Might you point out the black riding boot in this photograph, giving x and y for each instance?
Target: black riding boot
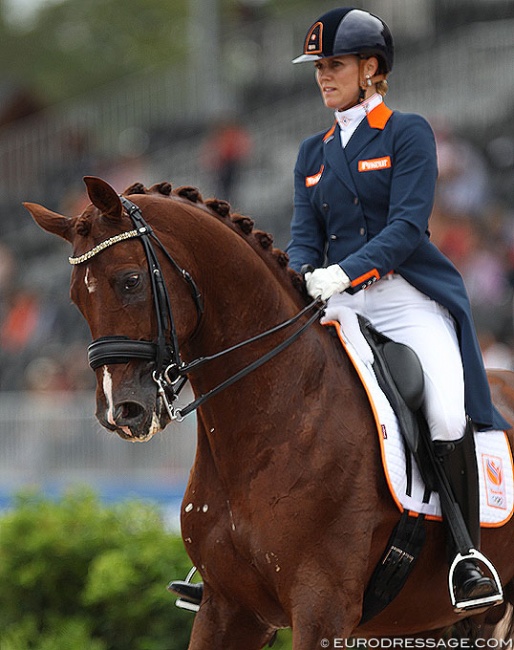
(192, 592)
(458, 461)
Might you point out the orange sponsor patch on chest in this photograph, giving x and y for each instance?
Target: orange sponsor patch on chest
(314, 180)
(374, 164)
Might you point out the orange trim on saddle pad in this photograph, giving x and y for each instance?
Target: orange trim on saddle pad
(494, 456)
(381, 433)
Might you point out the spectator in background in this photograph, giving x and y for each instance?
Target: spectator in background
(475, 234)
(35, 326)
(7, 269)
(463, 185)
(250, 11)
(224, 153)
(21, 322)
(20, 102)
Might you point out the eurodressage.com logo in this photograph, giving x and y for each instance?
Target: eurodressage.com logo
(410, 642)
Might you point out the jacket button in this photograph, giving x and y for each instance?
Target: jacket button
(325, 206)
(362, 232)
(333, 237)
(356, 200)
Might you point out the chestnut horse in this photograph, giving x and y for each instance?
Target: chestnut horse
(287, 511)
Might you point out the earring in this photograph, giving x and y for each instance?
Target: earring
(368, 81)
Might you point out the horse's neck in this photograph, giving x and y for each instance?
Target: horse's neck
(243, 297)
(245, 294)
(295, 417)
(276, 401)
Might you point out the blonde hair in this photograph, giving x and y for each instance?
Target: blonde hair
(382, 87)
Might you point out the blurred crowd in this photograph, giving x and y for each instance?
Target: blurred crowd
(43, 338)
(476, 231)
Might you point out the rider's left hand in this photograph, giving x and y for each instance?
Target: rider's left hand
(324, 283)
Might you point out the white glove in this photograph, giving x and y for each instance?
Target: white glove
(325, 282)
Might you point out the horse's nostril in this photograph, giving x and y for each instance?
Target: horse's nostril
(128, 412)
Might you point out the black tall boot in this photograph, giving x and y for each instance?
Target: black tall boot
(192, 592)
(458, 461)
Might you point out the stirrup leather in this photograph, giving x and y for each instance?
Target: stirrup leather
(486, 601)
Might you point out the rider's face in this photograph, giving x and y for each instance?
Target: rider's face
(338, 81)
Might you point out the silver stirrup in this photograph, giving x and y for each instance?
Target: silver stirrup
(487, 601)
(185, 604)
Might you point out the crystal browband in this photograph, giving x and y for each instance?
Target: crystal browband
(105, 244)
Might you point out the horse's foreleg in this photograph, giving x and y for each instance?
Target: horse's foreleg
(318, 634)
(326, 619)
(220, 625)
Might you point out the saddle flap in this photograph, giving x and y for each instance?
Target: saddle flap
(405, 368)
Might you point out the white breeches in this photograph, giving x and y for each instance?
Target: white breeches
(404, 314)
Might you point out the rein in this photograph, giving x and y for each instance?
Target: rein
(170, 372)
(181, 413)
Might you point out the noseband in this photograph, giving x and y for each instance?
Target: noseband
(170, 373)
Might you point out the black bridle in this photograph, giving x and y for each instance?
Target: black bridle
(170, 372)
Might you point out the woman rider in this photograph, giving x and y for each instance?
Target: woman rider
(364, 193)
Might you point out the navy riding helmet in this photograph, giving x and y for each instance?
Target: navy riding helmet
(349, 31)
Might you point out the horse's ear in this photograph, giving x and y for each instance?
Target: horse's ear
(52, 222)
(104, 197)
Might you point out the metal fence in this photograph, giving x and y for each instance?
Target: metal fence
(52, 441)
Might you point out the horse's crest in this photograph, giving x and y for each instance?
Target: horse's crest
(222, 209)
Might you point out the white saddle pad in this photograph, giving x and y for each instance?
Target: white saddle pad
(493, 451)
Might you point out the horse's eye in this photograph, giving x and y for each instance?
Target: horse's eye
(132, 282)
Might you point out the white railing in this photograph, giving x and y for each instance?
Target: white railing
(54, 439)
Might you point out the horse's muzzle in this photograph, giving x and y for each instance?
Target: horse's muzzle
(135, 414)
(131, 421)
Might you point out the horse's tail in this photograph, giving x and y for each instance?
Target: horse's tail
(497, 624)
(504, 629)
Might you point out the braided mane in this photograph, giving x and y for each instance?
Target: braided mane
(261, 241)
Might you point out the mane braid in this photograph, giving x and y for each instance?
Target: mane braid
(259, 240)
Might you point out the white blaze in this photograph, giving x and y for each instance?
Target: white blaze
(90, 281)
(107, 389)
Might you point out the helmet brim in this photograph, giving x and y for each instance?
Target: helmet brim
(305, 58)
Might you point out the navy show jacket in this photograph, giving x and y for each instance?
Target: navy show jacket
(366, 207)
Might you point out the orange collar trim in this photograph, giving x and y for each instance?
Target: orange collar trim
(379, 116)
(330, 133)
